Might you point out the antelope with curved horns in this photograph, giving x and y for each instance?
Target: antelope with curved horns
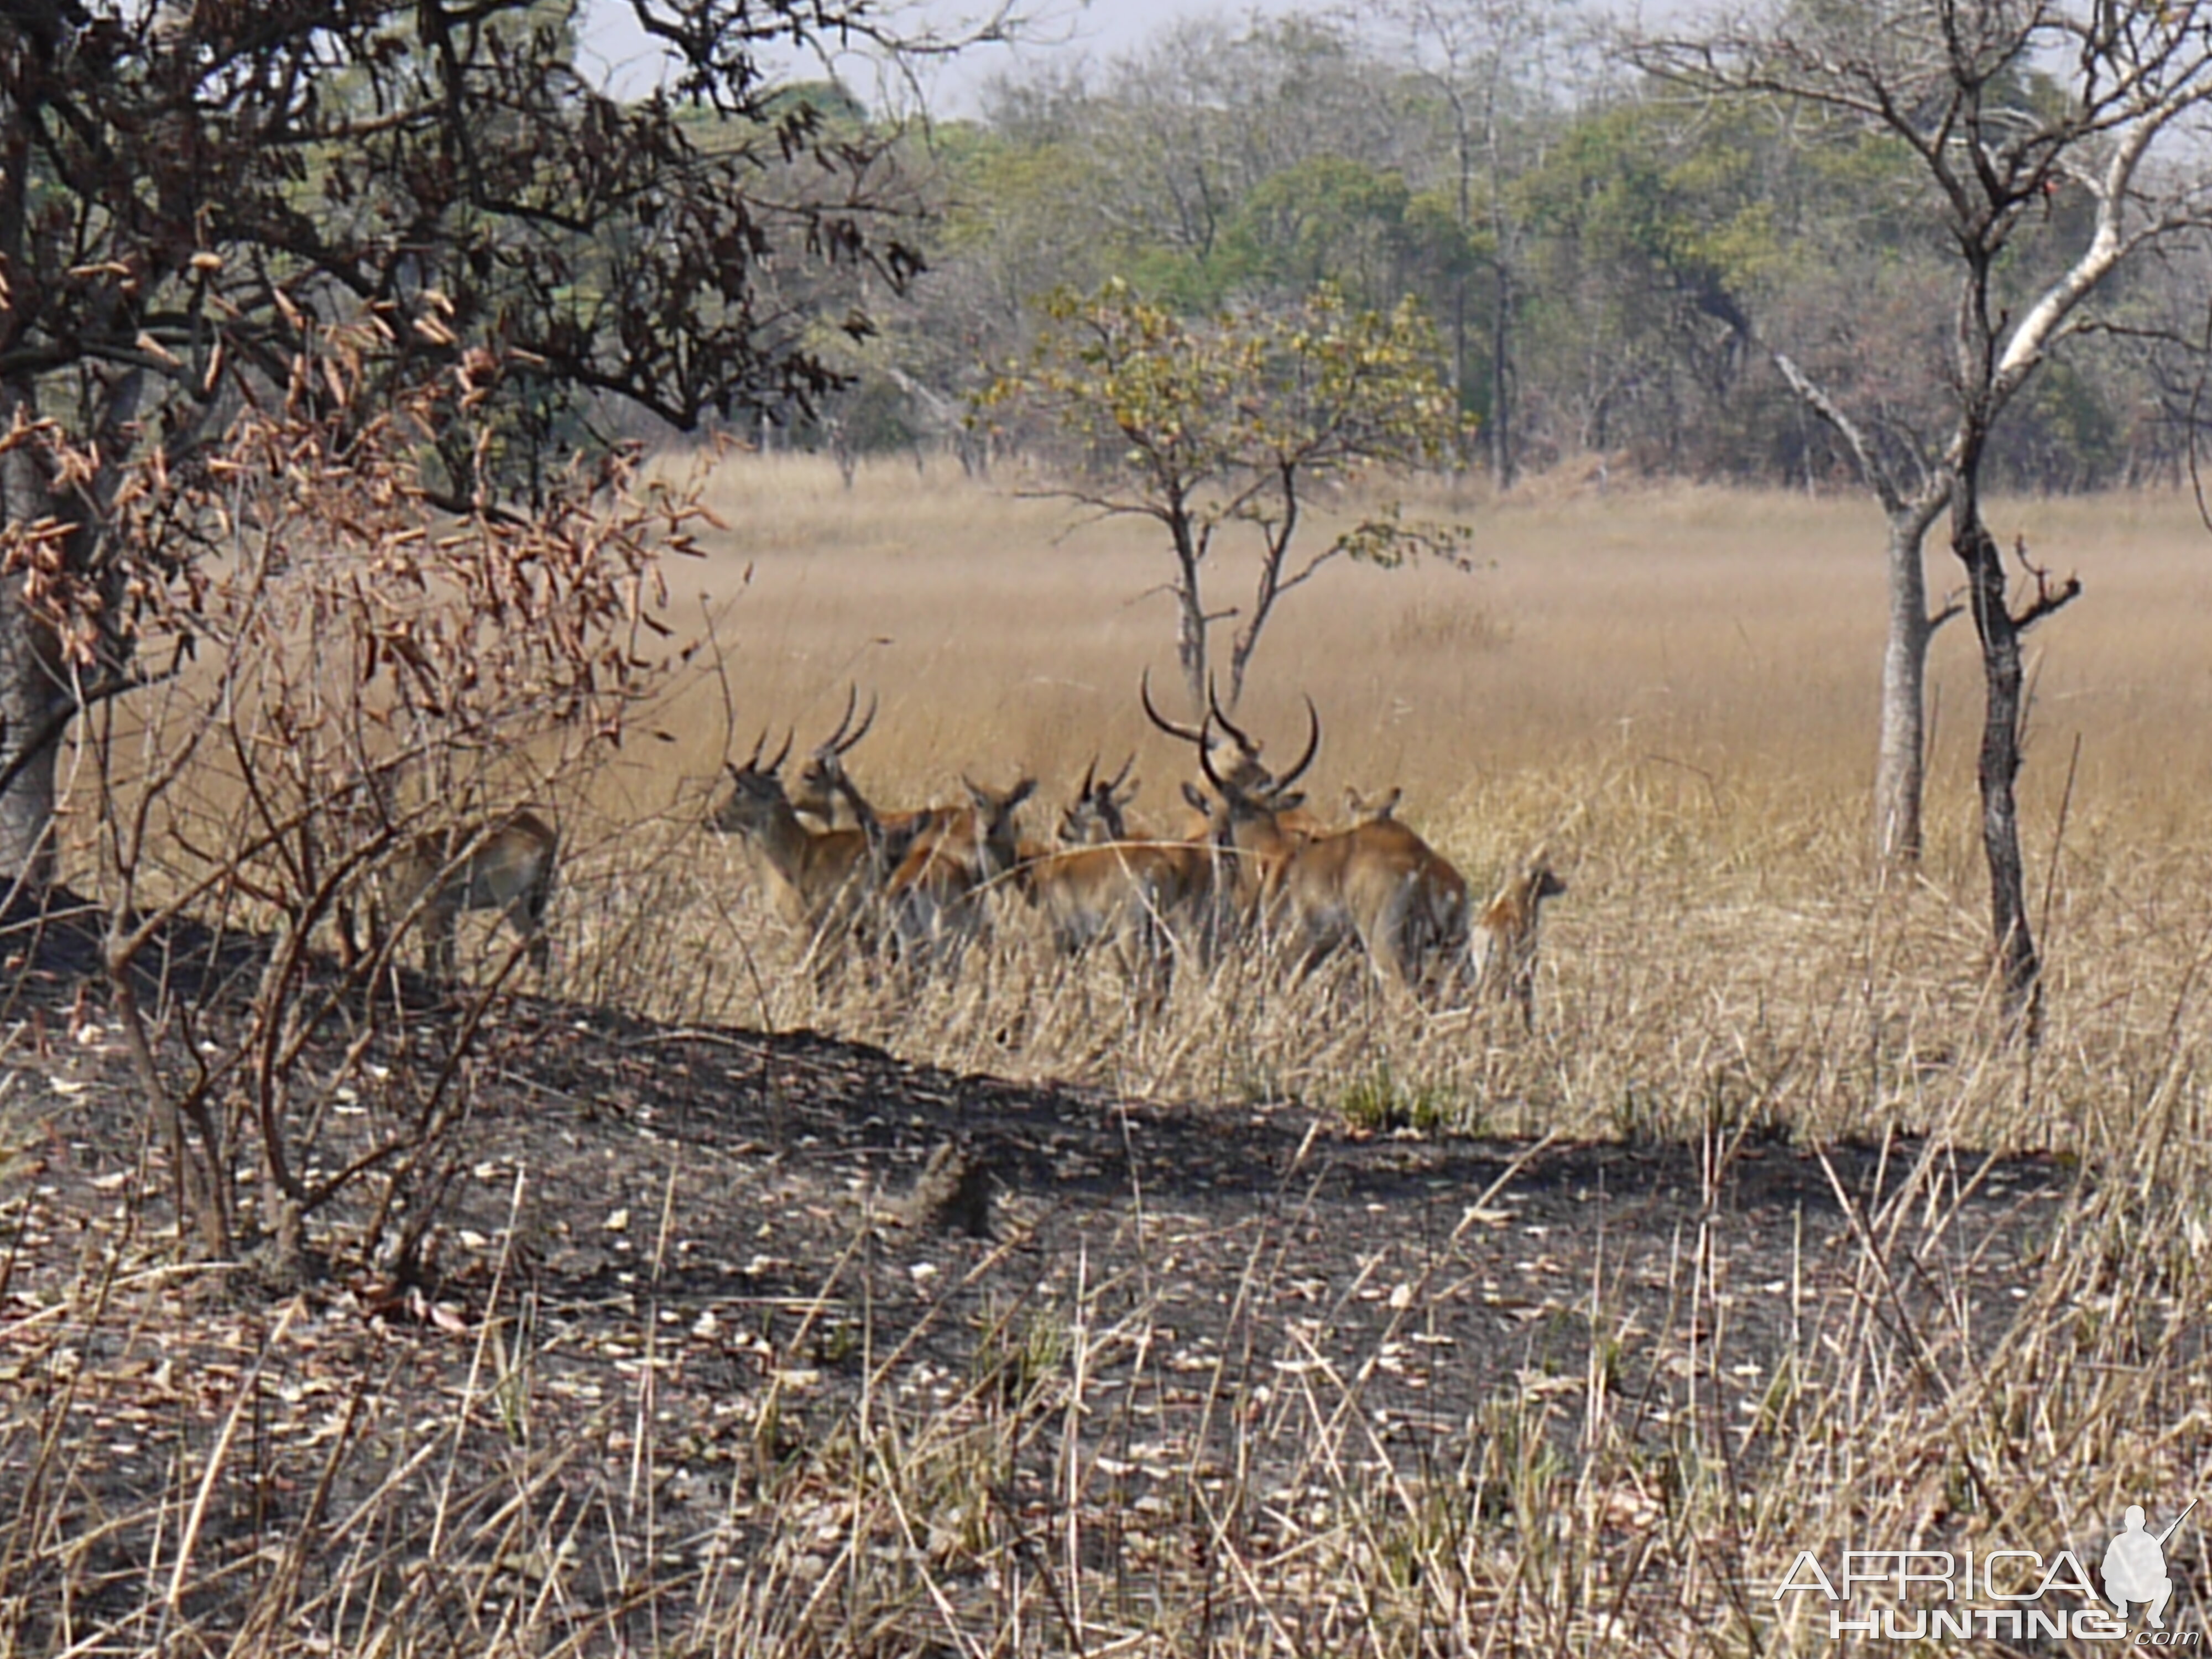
(1249, 771)
(1235, 851)
(1249, 827)
(823, 782)
(818, 879)
(1097, 814)
(813, 794)
(506, 863)
(1376, 882)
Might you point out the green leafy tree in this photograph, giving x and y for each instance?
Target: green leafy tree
(1207, 427)
(1654, 240)
(1486, 63)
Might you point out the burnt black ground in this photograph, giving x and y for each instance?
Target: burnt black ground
(722, 1210)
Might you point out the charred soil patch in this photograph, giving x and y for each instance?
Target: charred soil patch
(685, 1332)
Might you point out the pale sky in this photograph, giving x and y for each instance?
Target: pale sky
(1099, 29)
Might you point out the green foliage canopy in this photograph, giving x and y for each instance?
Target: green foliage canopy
(1233, 420)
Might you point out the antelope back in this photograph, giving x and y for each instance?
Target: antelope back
(506, 864)
(477, 867)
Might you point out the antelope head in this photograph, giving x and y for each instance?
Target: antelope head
(1363, 808)
(1246, 771)
(823, 777)
(1096, 814)
(1268, 798)
(995, 838)
(757, 791)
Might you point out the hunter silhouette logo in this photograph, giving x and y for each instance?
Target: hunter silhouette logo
(2134, 1566)
(1999, 1592)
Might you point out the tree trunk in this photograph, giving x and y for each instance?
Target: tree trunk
(1900, 763)
(1501, 314)
(2019, 966)
(1459, 352)
(1501, 424)
(1190, 638)
(1190, 649)
(34, 695)
(27, 711)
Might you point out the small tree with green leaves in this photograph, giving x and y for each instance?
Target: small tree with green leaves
(1235, 420)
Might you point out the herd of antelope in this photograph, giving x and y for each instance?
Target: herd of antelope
(1250, 863)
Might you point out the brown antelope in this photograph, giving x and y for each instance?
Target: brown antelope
(1254, 821)
(505, 864)
(823, 785)
(937, 891)
(1247, 771)
(1358, 809)
(1102, 885)
(1502, 953)
(1376, 883)
(1097, 814)
(1380, 884)
(819, 879)
(815, 796)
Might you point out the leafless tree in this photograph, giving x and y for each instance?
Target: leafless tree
(352, 671)
(2017, 113)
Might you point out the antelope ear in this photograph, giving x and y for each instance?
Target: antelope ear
(1129, 793)
(1288, 803)
(1191, 794)
(1023, 791)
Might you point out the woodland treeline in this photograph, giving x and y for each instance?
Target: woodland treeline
(1610, 260)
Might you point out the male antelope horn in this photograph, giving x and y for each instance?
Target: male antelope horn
(782, 755)
(1188, 733)
(1124, 774)
(1213, 699)
(1313, 748)
(866, 721)
(1089, 772)
(852, 697)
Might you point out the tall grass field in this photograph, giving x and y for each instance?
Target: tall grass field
(1567, 1338)
(1671, 690)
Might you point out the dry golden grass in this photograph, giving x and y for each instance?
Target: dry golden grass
(1672, 689)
